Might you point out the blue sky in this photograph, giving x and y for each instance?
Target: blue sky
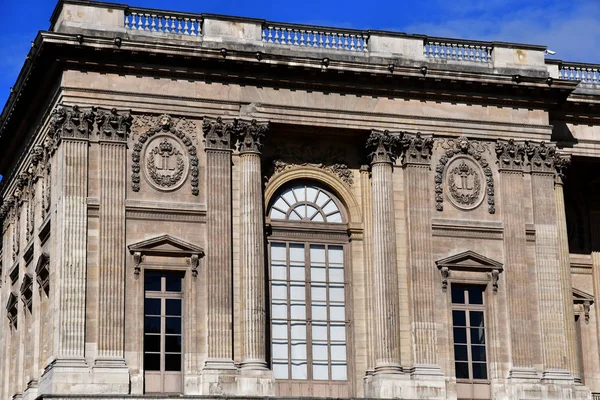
(569, 27)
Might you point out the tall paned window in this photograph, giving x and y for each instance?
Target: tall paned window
(163, 341)
(308, 291)
(469, 332)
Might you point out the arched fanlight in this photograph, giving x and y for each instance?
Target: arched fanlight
(305, 203)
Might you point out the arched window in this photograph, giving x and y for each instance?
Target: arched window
(309, 287)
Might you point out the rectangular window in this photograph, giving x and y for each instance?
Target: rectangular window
(163, 323)
(469, 332)
(308, 312)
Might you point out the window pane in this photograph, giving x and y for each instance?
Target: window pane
(475, 295)
(459, 318)
(319, 331)
(318, 217)
(280, 350)
(279, 330)
(320, 371)
(279, 291)
(173, 282)
(297, 254)
(477, 336)
(336, 293)
(319, 312)
(152, 306)
(317, 274)
(289, 197)
(311, 212)
(298, 310)
(335, 217)
(338, 352)
(173, 344)
(338, 332)
(297, 273)
(173, 325)
(298, 350)
(336, 255)
(460, 352)
(299, 331)
(337, 312)
(460, 335)
(479, 371)
(152, 281)
(478, 353)
(339, 372)
(276, 214)
(172, 362)
(476, 318)
(278, 251)
(318, 293)
(458, 294)
(278, 272)
(330, 208)
(280, 370)
(297, 291)
(311, 194)
(319, 351)
(173, 307)
(462, 370)
(152, 325)
(336, 275)
(152, 343)
(300, 193)
(151, 362)
(279, 310)
(321, 199)
(281, 205)
(299, 370)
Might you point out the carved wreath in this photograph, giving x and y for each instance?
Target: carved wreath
(464, 198)
(166, 181)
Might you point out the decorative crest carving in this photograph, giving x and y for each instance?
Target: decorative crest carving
(510, 155)
(170, 172)
(469, 149)
(217, 133)
(250, 135)
(416, 148)
(112, 125)
(383, 147)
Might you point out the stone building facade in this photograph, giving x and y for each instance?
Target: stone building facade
(198, 204)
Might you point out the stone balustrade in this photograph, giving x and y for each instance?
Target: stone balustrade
(319, 37)
(587, 73)
(156, 21)
(457, 50)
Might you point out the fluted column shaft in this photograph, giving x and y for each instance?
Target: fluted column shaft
(565, 280)
(387, 353)
(552, 320)
(517, 275)
(111, 313)
(252, 263)
(219, 263)
(72, 214)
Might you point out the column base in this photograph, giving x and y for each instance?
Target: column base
(517, 373)
(219, 377)
(387, 385)
(256, 382)
(558, 375)
(31, 392)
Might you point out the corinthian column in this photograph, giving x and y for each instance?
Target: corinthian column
(252, 256)
(112, 130)
(417, 161)
(564, 261)
(383, 148)
(518, 276)
(552, 321)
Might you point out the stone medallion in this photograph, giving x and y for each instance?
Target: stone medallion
(464, 183)
(165, 163)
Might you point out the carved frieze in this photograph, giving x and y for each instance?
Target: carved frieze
(113, 125)
(250, 135)
(163, 149)
(510, 155)
(465, 170)
(218, 133)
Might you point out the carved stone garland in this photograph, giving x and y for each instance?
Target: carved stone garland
(165, 126)
(464, 146)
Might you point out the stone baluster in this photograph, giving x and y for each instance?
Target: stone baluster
(552, 321)
(417, 161)
(252, 257)
(561, 164)
(518, 277)
(383, 147)
(217, 136)
(112, 130)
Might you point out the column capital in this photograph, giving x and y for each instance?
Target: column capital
(541, 157)
(249, 135)
(416, 148)
(113, 125)
(218, 133)
(561, 163)
(70, 122)
(510, 155)
(383, 147)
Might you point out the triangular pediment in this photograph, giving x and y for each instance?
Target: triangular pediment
(166, 244)
(579, 296)
(469, 260)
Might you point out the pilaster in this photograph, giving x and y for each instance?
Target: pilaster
(109, 366)
(255, 377)
(219, 373)
(552, 321)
